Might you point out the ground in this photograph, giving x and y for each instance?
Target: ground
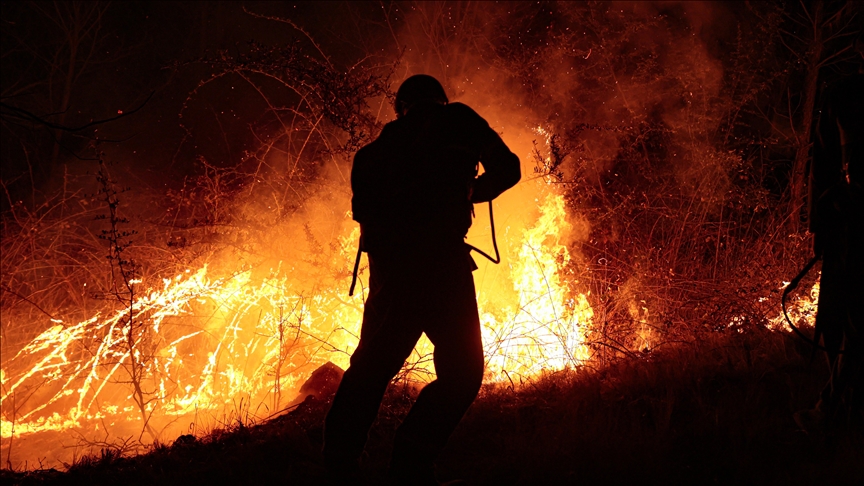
(716, 411)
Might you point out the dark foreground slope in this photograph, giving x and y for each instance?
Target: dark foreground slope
(719, 413)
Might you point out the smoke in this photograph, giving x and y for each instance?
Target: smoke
(598, 100)
(623, 108)
(608, 77)
(630, 90)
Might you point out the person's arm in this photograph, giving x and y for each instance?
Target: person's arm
(501, 171)
(501, 166)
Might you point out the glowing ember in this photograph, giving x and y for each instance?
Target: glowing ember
(200, 344)
(545, 329)
(801, 309)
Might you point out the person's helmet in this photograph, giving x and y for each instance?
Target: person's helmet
(416, 89)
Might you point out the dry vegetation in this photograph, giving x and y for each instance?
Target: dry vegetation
(677, 156)
(719, 413)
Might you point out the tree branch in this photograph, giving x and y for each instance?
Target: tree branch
(22, 114)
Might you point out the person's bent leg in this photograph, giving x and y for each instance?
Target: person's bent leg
(441, 404)
(439, 409)
(386, 342)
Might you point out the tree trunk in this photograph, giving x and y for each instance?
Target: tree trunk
(798, 180)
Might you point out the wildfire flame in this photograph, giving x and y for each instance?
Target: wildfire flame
(801, 310)
(546, 328)
(196, 343)
(206, 342)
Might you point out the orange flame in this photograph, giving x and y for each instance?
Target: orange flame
(197, 343)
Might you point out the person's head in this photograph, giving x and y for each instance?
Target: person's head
(420, 88)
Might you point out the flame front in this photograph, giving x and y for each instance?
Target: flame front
(201, 344)
(544, 326)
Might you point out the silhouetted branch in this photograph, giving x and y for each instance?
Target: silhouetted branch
(22, 114)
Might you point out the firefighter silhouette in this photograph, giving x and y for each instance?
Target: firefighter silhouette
(837, 222)
(413, 192)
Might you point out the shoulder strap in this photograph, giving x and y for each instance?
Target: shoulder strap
(497, 258)
(356, 268)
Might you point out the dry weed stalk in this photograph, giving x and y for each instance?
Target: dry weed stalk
(672, 258)
(125, 275)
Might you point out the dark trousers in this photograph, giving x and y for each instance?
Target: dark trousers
(428, 291)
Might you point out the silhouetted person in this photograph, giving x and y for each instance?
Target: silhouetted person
(414, 188)
(837, 221)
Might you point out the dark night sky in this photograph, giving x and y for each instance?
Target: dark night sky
(149, 47)
(676, 121)
(146, 47)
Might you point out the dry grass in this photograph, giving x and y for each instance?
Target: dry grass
(689, 243)
(718, 414)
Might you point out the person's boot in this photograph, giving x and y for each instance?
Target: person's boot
(412, 462)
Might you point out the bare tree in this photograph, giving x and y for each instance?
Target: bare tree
(49, 49)
(818, 35)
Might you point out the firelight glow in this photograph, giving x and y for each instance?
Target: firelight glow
(192, 344)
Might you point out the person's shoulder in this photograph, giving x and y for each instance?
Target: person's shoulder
(391, 129)
(461, 109)
(463, 115)
(369, 149)
(387, 131)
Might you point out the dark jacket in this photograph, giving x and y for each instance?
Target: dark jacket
(415, 184)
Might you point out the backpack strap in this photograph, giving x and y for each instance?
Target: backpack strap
(495, 260)
(356, 268)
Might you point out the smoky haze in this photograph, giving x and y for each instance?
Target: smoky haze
(655, 169)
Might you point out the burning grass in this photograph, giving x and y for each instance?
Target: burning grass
(712, 403)
(719, 413)
(223, 304)
(655, 231)
(242, 317)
